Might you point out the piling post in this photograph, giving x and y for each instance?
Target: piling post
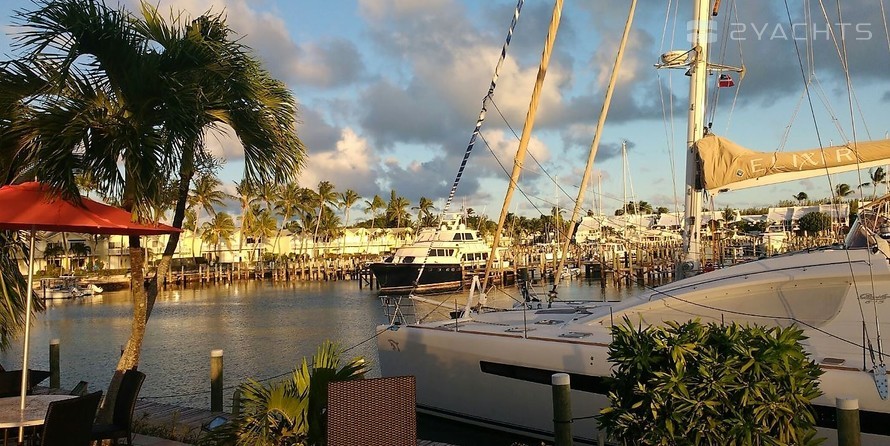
(216, 380)
(55, 374)
(562, 409)
(848, 422)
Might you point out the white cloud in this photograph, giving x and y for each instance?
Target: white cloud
(349, 165)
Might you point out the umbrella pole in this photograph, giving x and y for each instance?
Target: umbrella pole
(28, 296)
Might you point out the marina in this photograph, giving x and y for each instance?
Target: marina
(264, 328)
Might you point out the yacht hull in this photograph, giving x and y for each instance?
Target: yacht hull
(402, 278)
(493, 369)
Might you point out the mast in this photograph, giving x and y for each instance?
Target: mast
(698, 71)
(526, 135)
(594, 147)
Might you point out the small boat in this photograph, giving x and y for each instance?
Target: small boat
(66, 287)
(437, 260)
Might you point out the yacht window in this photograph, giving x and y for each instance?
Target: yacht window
(408, 259)
(468, 236)
(484, 256)
(450, 252)
(463, 258)
(388, 259)
(456, 237)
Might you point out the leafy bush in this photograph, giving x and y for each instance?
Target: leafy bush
(291, 412)
(815, 222)
(692, 384)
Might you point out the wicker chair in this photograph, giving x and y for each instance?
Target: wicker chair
(124, 405)
(11, 381)
(372, 412)
(68, 422)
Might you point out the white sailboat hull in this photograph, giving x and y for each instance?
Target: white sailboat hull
(494, 369)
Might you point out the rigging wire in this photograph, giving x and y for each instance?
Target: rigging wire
(822, 151)
(738, 85)
(512, 130)
(850, 98)
(488, 97)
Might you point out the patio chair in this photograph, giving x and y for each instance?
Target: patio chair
(124, 405)
(11, 381)
(372, 412)
(68, 422)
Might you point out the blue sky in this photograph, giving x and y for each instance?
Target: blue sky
(390, 90)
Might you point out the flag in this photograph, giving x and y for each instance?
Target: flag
(725, 81)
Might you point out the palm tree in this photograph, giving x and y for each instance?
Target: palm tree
(150, 89)
(373, 206)
(876, 177)
(206, 195)
(842, 190)
(397, 208)
(246, 198)
(220, 229)
(425, 210)
(801, 197)
(287, 203)
(323, 196)
(348, 199)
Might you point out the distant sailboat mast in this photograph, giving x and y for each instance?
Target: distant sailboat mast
(594, 147)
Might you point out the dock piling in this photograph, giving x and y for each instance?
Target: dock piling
(55, 375)
(847, 422)
(562, 409)
(216, 380)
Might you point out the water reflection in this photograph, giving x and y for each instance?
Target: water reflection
(263, 328)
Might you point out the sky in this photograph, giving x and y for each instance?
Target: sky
(389, 92)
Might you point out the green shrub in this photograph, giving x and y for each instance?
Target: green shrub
(695, 384)
(291, 412)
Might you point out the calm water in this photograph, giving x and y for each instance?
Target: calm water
(264, 329)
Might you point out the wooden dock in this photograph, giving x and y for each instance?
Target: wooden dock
(184, 423)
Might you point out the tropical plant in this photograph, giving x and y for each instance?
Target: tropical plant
(690, 383)
(207, 195)
(347, 200)
(134, 113)
(815, 222)
(801, 197)
(287, 204)
(247, 197)
(876, 177)
(324, 196)
(397, 209)
(289, 412)
(218, 231)
(425, 210)
(373, 206)
(842, 190)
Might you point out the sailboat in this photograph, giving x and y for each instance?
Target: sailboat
(494, 368)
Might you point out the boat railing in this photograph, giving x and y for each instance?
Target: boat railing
(399, 310)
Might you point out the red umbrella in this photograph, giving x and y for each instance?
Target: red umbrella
(35, 207)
